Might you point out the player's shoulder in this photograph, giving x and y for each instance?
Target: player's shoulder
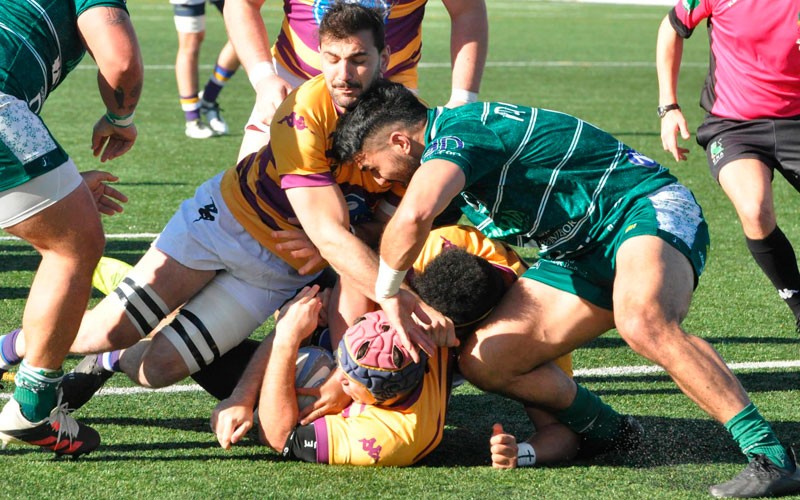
(309, 106)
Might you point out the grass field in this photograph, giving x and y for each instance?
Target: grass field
(594, 61)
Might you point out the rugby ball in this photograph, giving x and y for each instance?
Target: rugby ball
(314, 366)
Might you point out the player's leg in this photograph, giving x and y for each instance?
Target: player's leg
(190, 23)
(226, 65)
(652, 293)
(56, 213)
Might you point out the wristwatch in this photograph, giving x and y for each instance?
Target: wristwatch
(663, 110)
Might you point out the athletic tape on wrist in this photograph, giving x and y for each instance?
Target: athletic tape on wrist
(526, 456)
(463, 95)
(388, 282)
(123, 121)
(260, 71)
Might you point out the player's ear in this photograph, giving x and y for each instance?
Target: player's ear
(385, 53)
(400, 140)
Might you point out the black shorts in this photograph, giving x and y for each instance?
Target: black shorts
(772, 141)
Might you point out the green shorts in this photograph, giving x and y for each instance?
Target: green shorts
(671, 213)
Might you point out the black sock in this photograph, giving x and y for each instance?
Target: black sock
(775, 256)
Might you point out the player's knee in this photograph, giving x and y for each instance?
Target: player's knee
(480, 374)
(158, 366)
(646, 334)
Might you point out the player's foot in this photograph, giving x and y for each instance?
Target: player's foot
(59, 432)
(762, 478)
(629, 437)
(79, 385)
(196, 129)
(211, 112)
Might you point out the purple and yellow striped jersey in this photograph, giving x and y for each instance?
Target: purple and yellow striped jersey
(297, 45)
(297, 157)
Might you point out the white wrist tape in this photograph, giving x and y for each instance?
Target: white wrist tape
(121, 121)
(463, 95)
(259, 71)
(526, 456)
(388, 282)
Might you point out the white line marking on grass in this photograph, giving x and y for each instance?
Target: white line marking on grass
(585, 372)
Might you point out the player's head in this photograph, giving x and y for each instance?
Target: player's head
(378, 133)
(462, 286)
(353, 50)
(376, 366)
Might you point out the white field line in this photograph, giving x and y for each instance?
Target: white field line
(489, 64)
(587, 372)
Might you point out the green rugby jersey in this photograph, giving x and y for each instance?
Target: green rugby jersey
(535, 176)
(40, 44)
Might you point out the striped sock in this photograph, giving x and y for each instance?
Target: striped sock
(36, 391)
(191, 107)
(218, 80)
(590, 416)
(109, 361)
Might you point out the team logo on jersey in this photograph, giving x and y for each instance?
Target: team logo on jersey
(638, 158)
(373, 451)
(320, 7)
(294, 120)
(690, 5)
(717, 151)
(207, 212)
(443, 145)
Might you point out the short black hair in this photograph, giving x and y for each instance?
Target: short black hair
(344, 19)
(385, 103)
(460, 285)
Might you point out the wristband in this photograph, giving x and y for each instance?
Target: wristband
(388, 282)
(526, 456)
(463, 95)
(124, 121)
(260, 71)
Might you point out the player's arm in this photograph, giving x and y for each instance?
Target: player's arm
(109, 37)
(669, 53)
(277, 407)
(233, 417)
(469, 41)
(431, 189)
(249, 37)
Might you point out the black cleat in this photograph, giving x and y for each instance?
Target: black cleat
(761, 478)
(59, 432)
(84, 381)
(628, 438)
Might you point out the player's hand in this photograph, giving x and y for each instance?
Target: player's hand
(105, 196)
(503, 448)
(112, 141)
(331, 399)
(270, 93)
(399, 309)
(298, 318)
(672, 124)
(440, 328)
(230, 421)
(299, 246)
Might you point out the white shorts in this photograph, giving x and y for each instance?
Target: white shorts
(204, 235)
(26, 200)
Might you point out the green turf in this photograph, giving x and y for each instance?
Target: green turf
(595, 61)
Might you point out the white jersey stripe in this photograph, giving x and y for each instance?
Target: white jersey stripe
(504, 172)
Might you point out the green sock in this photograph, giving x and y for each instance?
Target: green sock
(36, 391)
(754, 436)
(590, 416)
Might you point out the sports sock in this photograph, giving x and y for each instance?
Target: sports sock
(218, 80)
(191, 107)
(590, 416)
(754, 436)
(36, 391)
(8, 350)
(109, 361)
(775, 256)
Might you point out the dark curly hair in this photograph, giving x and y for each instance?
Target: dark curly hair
(460, 285)
(385, 103)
